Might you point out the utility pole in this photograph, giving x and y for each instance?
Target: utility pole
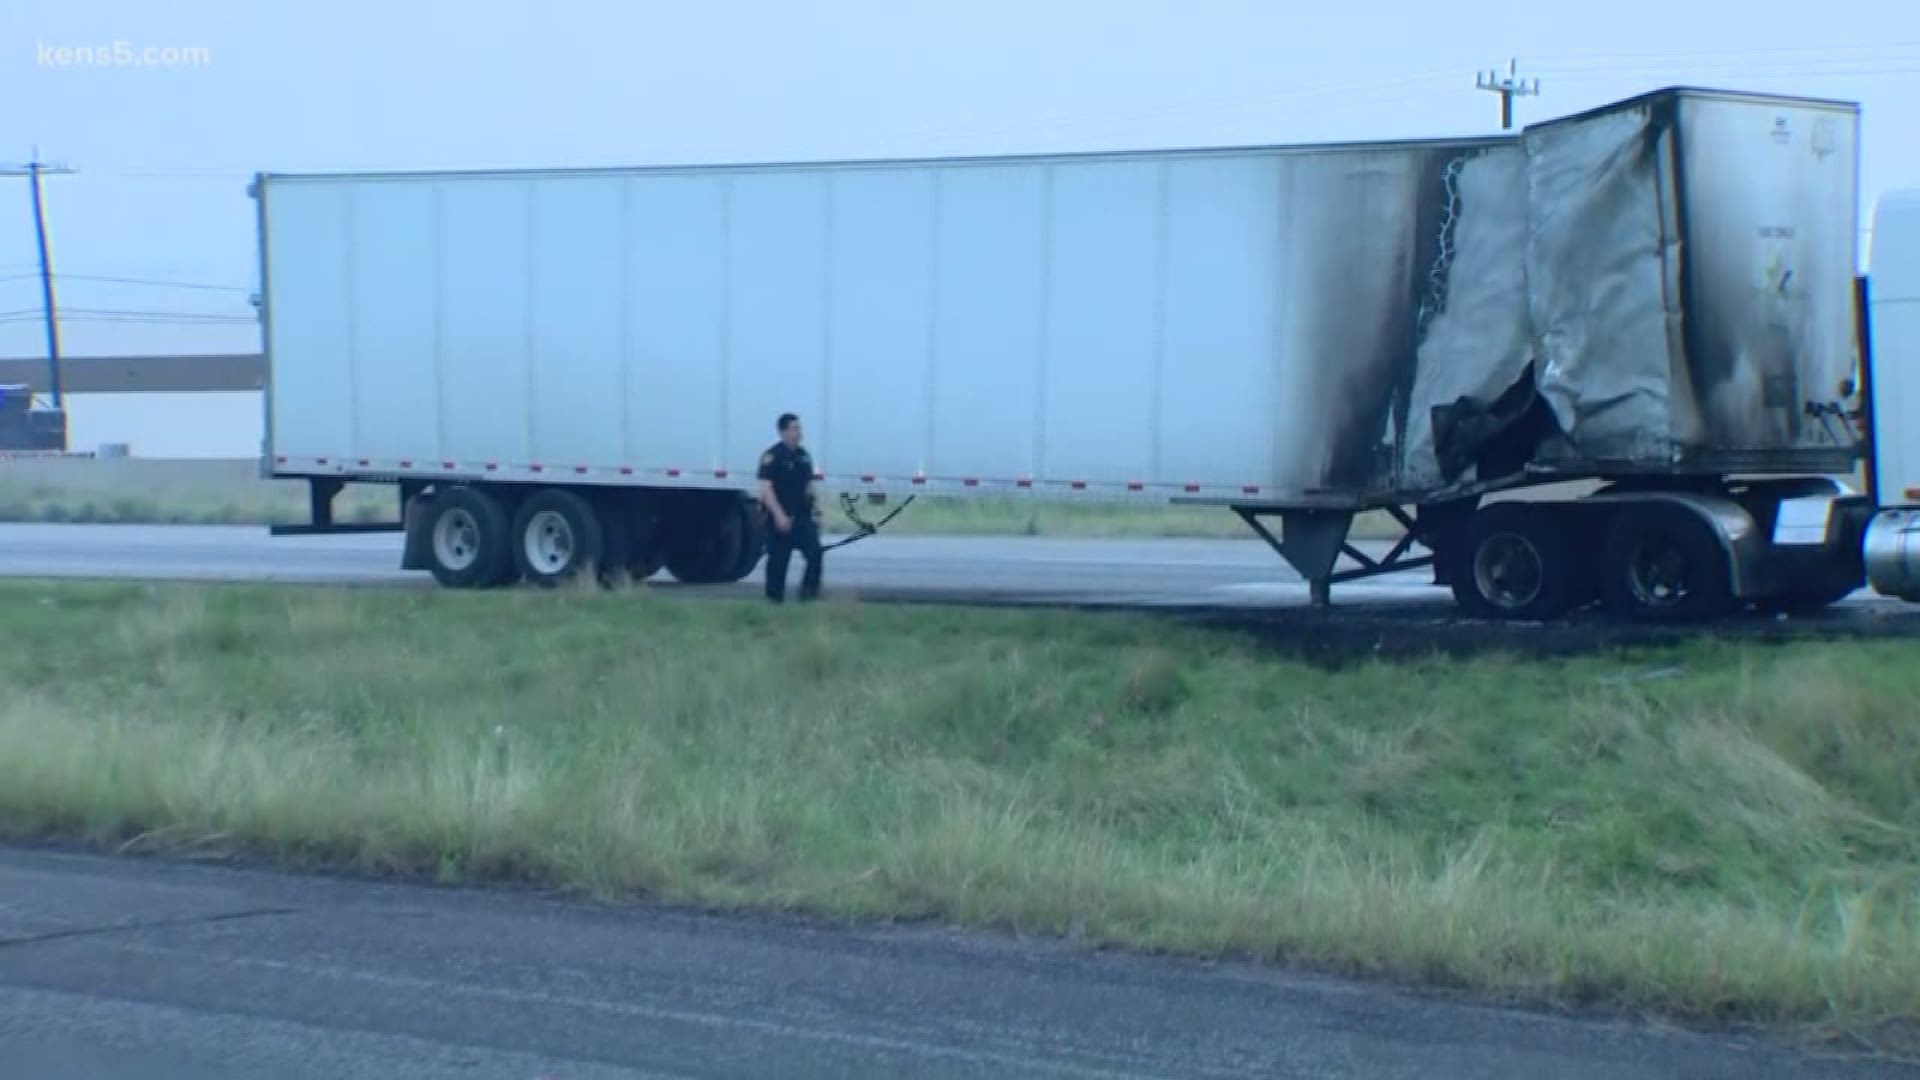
(1508, 86)
(33, 171)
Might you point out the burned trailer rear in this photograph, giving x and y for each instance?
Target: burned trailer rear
(1658, 299)
(1653, 304)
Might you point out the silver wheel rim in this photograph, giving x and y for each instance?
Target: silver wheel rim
(1508, 571)
(549, 542)
(456, 539)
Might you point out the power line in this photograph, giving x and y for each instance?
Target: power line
(137, 320)
(1730, 74)
(217, 316)
(145, 311)
(1619, 62)
(157, 282)
(94, 314)
(1713, 53)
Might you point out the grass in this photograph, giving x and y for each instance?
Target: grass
(136, 491)
(132, 491)
(1723, 831)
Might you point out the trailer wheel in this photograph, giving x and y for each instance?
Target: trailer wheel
(557, 535)
(753, 540)
(645, 551)
(1511, 561)
(467, 540)
(1663, 564)
(645, 559)
(715, 542)
(692, 539)
(614, 566)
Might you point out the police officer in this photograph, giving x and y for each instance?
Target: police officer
(787, 492)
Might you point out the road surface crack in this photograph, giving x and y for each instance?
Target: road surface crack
(149, 924)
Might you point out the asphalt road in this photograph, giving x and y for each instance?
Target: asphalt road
(1233, 577)
(1203, 573)
(123, 969)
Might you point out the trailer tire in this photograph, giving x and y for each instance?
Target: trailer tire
(468, 536)
(644, 562)
(646, 552)
(715, 542)
(1662, 563)
(1511, 561)
(753, 540)
(614, 567)
(557, 535)
(694, 543)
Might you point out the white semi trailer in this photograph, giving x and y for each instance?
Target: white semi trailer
(568, 371)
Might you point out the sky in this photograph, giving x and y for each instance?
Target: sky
(153, 235)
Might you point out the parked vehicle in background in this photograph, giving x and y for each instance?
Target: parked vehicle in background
(27, 425)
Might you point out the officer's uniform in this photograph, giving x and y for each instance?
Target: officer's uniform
(790, 471)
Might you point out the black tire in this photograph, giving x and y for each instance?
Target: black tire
(646, 547)
(645, 561)
(693, 542)
(557, 536)
(615, 567)
(1512, 561)
(715, 542)
(469, 537)
(1662, 563)
(753, 540)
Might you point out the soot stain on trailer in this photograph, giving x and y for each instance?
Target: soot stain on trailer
(1376, 397)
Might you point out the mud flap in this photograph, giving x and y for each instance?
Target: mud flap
(416, 517)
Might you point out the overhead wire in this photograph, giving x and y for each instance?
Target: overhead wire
(1672, 57)
(171, 316)
(1808, 61)
(156, 282)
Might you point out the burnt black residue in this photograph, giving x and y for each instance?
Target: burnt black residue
(1732, 335)
(1435, 232)
(1496, 438)
(1390, 372)
(1349, 634)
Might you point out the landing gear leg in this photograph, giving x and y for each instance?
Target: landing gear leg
(1312, 542)
(1320, 592)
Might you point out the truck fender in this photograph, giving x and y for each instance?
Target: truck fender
(1738, 533)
